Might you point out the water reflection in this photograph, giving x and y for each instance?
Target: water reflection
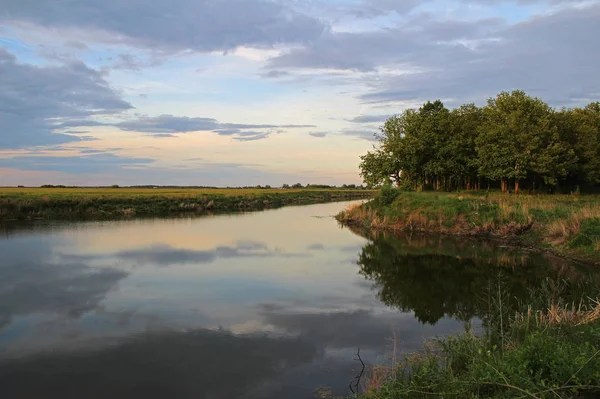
(436, 277)
(262, 305)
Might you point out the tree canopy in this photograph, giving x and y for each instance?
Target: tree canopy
(515, 140)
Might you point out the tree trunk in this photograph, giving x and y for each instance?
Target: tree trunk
(516, 186)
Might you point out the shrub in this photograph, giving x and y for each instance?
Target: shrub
(387, 195)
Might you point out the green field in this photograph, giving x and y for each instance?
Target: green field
(180, 192)
(103, 203)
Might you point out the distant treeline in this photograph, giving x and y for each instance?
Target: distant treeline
(514, 142)
(285, 186)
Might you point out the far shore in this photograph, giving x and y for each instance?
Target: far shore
(56, 203)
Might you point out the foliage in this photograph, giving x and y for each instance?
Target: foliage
(387, 195)
(556, 362)
(514, 138)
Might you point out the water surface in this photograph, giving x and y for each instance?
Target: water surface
(262, 305)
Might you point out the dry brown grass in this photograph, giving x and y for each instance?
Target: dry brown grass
(559, 231)
(559, 315)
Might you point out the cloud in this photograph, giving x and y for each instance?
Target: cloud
(425, 58)
(94, 163)
(368, 135)
(166, 125)
(175, 26)
(127, 62)
(275, 74)
(318, 134)
(32, 97)
(251, 136)
(400, 47)
(537, 55)
(370, 118)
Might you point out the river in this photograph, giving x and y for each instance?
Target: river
(270, 304)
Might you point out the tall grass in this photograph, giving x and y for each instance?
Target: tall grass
(554, 353)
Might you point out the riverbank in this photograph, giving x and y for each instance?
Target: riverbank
(111, 203)
(553, 353)
(567, 225)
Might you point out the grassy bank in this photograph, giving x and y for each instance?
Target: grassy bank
(566, 224)
(547, 354)
(105, 203)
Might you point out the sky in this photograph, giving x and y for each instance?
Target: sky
(248, 92)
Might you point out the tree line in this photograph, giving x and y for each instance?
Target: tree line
(514, 142)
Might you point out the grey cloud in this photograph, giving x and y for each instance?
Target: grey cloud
(95, 163)
(318, 134)
(76, 131)
(383, 6)
(77, 45)
(91, 151)
(368, 135)
(370, 118)
(246, 126)
(552, 56)
(275, 74)
(127, 62)
(33, 96)
(166, 125)
(363, 9)
(251, 136)
(178, 25)
(405, 47)
(162, 135)
(227, 132)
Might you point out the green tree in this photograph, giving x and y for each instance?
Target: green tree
(518, 140)
(514, 138)
(462, 160)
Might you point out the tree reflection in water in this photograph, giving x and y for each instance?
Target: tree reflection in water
(444, 276)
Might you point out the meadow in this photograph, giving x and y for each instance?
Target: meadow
(117, 202)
